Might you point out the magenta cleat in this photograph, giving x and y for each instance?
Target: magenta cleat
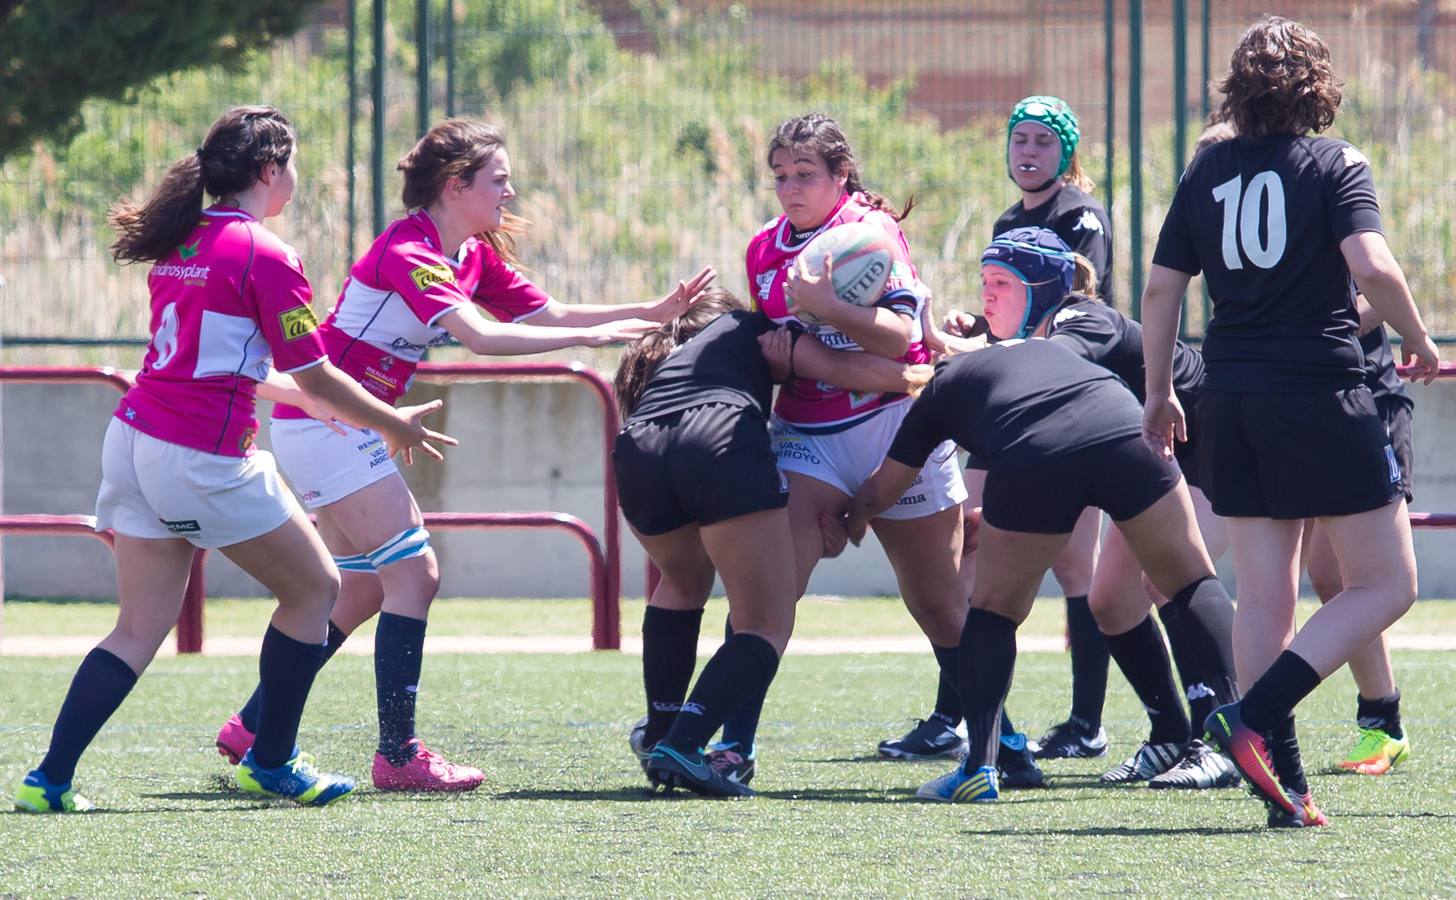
(425, 770)
(234, 740)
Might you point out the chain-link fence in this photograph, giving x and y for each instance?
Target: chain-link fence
(637, 130)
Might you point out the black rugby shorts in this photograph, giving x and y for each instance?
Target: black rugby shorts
(701, 465)
(1122, 477)
(1296, 455)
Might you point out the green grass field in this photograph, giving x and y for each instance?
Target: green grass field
(565, 812)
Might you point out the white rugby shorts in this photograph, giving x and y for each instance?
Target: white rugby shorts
(324, 466)
(845, 459)
(154, 489)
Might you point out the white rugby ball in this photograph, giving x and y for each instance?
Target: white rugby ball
(862, 256)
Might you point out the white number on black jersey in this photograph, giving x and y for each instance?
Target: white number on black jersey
(1241, 211)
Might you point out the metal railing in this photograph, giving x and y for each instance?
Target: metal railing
(604, 562)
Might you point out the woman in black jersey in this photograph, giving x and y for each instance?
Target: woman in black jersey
(1057, 434)
(1025, 272)
(1042, 134)
(700, 488)
(1278, 221)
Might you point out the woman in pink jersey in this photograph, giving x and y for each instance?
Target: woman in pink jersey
(828, 439)
(433, 275)
(179, 469)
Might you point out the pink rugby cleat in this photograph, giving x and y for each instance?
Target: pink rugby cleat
(234, 740)
(426, 770)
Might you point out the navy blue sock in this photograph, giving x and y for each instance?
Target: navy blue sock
(987, 658)
(1143, 659)
(1273, 697)
(1284, 750)
(743, 667)
(399, 649)
(1007, 729)
(99, 686)
(741, 726)
(1383, 713)
(947, 698)
(249, 713)
(1200, 622)
(286, 668)
(1089, 663)
(669, 655)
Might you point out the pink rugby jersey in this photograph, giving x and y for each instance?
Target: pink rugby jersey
(805, 402)
(386, 316)
(232, 295)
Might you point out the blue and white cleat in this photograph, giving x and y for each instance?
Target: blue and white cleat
(956, 786)
(37, 794)
(295, 780)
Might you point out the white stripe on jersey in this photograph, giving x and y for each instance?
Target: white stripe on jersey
(231, 345)
(382, 319)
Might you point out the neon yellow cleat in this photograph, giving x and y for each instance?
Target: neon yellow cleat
(1376, 753)
(38, 795)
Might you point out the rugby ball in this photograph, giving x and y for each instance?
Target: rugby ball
(862, 259)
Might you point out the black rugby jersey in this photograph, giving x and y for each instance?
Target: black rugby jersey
(1263, 220)
(1385, 386)
(1102, 335)
(1077, 219)
(720, 364)
(1016, 404)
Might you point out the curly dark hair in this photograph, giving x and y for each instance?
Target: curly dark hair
(1280, 81)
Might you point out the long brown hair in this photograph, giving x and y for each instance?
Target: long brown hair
(821, 134)
(1084, 278)
(643, 356)
(1280, 81)
(457, 148)
(232, 157)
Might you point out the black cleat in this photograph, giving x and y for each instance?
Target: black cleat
(667, 768)
(1071, 739)
(1018, 769)
(930, 739)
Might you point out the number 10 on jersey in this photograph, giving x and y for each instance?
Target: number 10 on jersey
(1241, 220)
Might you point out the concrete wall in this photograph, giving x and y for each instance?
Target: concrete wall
(524, 447)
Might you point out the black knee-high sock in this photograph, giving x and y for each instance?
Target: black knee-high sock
(947, 698)
(1271, 699)
(669, 654)
(99, 686)
(1089, 663)
(399, 649)
(741, 726)
(286, 668)
(1143, 659)
(1200, 624)
(987, 659)
(742, 668)
(1284, 749)
(1382, 713)
(249, 713)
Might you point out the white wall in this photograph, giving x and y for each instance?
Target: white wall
(524, 447)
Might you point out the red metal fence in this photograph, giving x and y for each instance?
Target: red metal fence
(605, 563)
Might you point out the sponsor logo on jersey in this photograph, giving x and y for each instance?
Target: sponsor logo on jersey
(1067, 315)
(245, 443)
(1354, 157)
(182, 526)
(297, 322)
(187, 252)
(1088, 222)
(765, 284)
(189, 272)
(426, 277)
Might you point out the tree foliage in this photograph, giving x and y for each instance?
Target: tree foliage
(60, 53)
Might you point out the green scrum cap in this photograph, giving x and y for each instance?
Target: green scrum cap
(1056, 115)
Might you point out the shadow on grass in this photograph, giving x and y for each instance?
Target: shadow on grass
(643, 794)
(1111, 831)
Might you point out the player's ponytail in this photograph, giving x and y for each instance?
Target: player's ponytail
(821, 134)
(642, 357)
(1084, 279)
(232, 157)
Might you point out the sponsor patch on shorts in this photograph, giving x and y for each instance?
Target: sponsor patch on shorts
(297, 322)
(426, 277)
(182, 526)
